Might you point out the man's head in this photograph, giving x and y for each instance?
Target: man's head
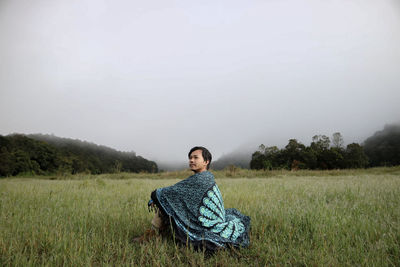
(199, 159)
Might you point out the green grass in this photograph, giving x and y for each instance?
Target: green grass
(298, 218)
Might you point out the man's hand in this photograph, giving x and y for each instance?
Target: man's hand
(151, 206)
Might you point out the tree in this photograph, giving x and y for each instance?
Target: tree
(294, 152)
(320, 142)
(275, 158)
(7, 162)
(320, 146)
(310, 158)
(337, 140)
(355, 156)
(334, 158)
(257, 161)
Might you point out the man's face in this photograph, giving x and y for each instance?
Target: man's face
(197, 162)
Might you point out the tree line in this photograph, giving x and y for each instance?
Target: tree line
(381, 149)
(46, 154)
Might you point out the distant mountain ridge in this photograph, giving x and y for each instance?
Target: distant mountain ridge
(65, 142)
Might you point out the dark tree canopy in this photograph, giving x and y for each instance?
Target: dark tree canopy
(319, 155)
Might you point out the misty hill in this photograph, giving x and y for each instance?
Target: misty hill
(44, 154)
(383, 148)
(171, 165)
(240, 158)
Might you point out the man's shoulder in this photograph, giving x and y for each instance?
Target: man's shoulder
(200, 176)
(206, 175)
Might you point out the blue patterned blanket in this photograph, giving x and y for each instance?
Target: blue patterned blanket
(196, 209)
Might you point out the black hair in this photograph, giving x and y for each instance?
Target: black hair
(204, 152)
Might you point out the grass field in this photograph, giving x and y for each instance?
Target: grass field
(298, 218)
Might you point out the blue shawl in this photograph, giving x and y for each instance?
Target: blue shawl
(196, 211)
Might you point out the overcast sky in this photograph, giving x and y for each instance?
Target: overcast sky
(158, 77)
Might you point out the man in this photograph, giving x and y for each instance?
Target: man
(194, 210)
(199, 159)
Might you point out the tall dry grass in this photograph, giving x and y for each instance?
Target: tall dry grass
(298, 218)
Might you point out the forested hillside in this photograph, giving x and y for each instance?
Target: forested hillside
(383, 148)
(45, 154)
